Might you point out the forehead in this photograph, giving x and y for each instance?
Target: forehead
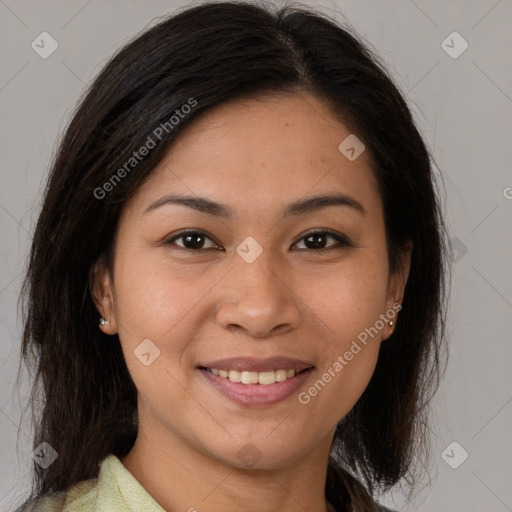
(257, 153)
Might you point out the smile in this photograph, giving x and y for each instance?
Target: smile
(255, 389)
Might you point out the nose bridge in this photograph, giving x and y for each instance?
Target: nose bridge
(257, 272)
(256, 256)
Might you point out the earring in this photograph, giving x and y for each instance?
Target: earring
(391, 322)
(103, 321)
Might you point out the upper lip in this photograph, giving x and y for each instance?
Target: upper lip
(252, 364)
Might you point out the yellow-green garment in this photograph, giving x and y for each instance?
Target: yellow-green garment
(115, 490)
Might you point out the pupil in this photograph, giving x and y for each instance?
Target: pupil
(317, 244)
(193, 236)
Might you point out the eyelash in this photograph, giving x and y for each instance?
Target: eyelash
(342, 240)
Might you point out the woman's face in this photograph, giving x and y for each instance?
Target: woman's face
(252, 283)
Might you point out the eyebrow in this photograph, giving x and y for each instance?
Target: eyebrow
(296, 208)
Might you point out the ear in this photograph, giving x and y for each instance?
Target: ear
(101, 285)
(396, 284)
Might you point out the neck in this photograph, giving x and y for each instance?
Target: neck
(180, 476)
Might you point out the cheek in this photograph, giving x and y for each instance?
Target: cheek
(347, 306)
(347, 339)
(151, 299)
(153, 305)
(165, 304)
(349, 298)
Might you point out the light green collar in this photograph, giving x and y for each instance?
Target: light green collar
(119, 490)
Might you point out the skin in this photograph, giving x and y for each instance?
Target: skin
(196, 305)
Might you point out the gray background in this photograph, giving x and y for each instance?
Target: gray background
(464, 107)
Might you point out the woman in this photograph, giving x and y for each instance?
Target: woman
(235, 292)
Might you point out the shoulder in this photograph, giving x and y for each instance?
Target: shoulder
(80, 497)
(115, 489)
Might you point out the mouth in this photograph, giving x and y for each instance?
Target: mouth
(253, 383)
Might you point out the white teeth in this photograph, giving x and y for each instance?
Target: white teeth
(235, 375)
(267, 377)
(281, 375)
(263, 378)
(249, 377)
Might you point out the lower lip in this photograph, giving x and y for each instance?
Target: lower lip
(257, 394)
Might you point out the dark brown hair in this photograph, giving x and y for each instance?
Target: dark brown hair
(214, 53)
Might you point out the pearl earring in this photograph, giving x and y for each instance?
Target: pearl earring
(103, 321)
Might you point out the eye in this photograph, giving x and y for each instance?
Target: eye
(193, 240)
(317, 238)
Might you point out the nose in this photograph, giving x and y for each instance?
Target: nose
(258, 299)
